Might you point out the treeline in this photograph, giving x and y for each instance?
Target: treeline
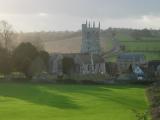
(136, 34)
(48, 36)
(56, 41)
(24, 58)
(66, 35)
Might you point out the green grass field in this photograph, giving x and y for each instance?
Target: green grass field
(138, 46)
(150, 47)
(70, 102)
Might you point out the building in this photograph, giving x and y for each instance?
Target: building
(126, 60)
(154, 68)
(90, 39)
(89, 61)
(153, 64)
(112, 68)
(83, 64)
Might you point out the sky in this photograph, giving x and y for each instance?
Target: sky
(61, 15)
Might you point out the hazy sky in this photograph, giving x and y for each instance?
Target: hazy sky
(37, 15)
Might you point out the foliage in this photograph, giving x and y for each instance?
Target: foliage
(16, 77)
(6, 33)
(44, 77)
(88, 78)
(68, 65)
(37, 66)
(154, 95)
(29, 60)
(45, 57)
(5, 61)
(137, 34)
(23, 56)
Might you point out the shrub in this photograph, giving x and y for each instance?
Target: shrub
(16, 77)
(44, 77)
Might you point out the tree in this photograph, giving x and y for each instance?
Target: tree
(37, 66)
(6, 33)
(146, 33)
(29, 60)
(68, 65)
(5, 61)
(23, 56)
(138, 34)
(45, 57)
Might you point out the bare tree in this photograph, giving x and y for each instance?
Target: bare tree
(6, 34)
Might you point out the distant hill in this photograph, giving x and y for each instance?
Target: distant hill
(61, 42)
(144, 41)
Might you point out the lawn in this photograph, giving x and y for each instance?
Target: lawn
(70, 102)
(149, 49)
(148, 46)
(141, 46)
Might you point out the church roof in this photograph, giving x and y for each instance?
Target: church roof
(81, 58)
(86, 58)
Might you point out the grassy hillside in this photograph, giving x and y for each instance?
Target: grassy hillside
(150, 46)
(70, 102)
(70, 42)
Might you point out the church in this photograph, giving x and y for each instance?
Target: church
(89, 60)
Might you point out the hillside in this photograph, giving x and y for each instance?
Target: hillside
(144, 41)
(139, 41)
(147, 44)
(61, 42)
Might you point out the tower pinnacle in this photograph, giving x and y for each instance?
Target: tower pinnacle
(90, 39)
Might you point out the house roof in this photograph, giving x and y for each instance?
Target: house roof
(130, 56)
(86, 58)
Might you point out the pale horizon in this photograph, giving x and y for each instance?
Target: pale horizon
(62, 15)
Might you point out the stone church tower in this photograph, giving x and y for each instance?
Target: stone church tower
(90, 39)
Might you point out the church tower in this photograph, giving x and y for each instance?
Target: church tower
(90, 38)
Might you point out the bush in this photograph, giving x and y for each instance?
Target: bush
(154, 94)
(27, 59)
(2, 77)
(44, 77)
(88, 79)
(16, 77)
